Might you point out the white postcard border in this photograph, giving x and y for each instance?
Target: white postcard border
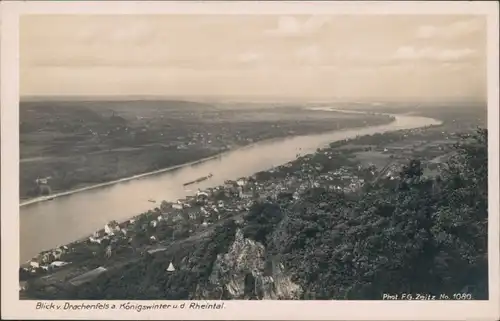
(13, 308)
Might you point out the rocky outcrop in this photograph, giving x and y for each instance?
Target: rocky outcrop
(244, 272)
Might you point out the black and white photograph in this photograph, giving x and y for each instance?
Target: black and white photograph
(218, 157)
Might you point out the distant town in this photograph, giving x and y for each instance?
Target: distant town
(345, 166)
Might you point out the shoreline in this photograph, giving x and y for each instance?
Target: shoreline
(171, 168)
(121, 180)
(83, 237)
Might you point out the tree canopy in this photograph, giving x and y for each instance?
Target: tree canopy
(418, 235)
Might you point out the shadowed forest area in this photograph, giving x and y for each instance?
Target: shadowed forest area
(413, 234)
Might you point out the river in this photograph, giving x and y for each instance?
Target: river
(48, 224)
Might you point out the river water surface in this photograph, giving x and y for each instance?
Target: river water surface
(48, 224)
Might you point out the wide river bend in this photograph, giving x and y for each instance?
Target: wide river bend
(73, 215)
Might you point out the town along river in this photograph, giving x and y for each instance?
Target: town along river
(66, 218)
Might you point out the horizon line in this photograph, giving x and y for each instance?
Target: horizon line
(249, 98)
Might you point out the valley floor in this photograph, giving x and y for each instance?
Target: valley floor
(204, 237)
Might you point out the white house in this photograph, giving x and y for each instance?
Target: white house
(201, 194)
(57, 264)
(57, 253)
(241, 182)
(42, 181)
(94, 240)
(34, 264)
(108, 230)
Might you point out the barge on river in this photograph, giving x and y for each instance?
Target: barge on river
(201, 179)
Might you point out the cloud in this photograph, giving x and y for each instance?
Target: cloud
(412, 53)
(249, 57)
(424, 32)
(453, 30)
(309, 54)
(291, 26)
(133, 33)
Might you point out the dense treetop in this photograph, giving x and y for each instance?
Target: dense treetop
(415, 234)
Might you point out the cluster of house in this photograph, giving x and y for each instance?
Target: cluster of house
(342, 179)
(202, 207)
(47, 261)
(206, 206)
(222, 140)
(308, 175)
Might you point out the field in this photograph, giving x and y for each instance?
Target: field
(397, 221)
(431, 145)
(80, 143)
(455, 116)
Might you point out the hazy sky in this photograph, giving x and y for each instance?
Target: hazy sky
(318, 57)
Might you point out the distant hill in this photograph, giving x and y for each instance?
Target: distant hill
(90, 102)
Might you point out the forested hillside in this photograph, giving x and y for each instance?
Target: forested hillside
(414, 234)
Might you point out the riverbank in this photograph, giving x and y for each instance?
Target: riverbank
(122, 180)
(126, 179)
(286, 184)
(370, 122)
(70, 147)
(44, 225)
